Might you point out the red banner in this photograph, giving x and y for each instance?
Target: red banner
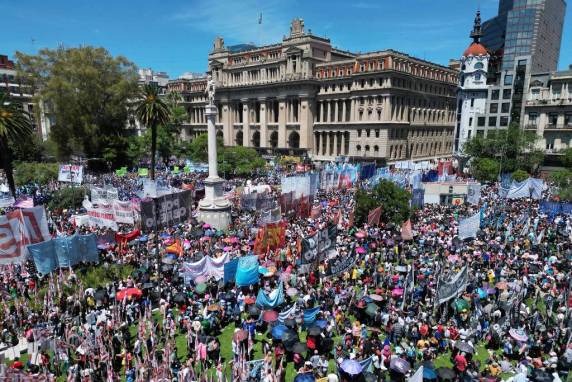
(270, 237)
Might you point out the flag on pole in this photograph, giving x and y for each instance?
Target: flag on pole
(374, 216)
(406, 232)
(260, 18)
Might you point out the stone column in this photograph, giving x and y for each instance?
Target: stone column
(263, 123)
(226, 123)
(335, 143)
(306, 119)
(336, 110)
(245, 123)
(282, 122)
(344, 110)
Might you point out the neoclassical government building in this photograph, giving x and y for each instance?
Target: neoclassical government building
(304, 96)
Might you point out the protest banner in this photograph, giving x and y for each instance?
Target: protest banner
(468, 227)
(270, 237)
(340, 264)
(166, 210)
(123, 212)
(18, 229)
(70, 173)
(315, 247)
(102, 216)
(452, 288)
(143, 172)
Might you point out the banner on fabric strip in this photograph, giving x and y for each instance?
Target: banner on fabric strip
(474, 193)
(269, 216)
(452, 288)
(102, 216)
(19, 229)
(418, 198)
(123, 212)
(64, 252)
(230, 270)
(207, 267)
(341, 264)
(166, 211)
(247, 271)
(468, 227)
(104, 195)
(271, 300)
(315, 246)
(70, 173)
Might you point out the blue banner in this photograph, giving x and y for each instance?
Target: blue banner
(230, 271)
(418, 198)
(64, 252)
(310, 316)
(247, 271)
(271, 300)
(44, 255)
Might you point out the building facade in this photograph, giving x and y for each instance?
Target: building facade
(18, 90)
(473, 90)
(303, 96)
(548, 110)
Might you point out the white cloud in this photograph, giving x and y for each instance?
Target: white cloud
(237, 21)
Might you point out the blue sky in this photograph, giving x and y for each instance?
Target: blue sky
(175, 35)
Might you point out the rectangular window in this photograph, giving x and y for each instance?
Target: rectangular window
(506, 93)
(504, 121)
(495, 94)
(552, 119)
(532, 118)
(469, 134)
(481, 121)
(505, 107)
(568, 119)
(492, 121)
(494, 108)
(508, 79)
(471, 121)
(472, 102)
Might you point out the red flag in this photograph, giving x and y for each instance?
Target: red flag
(374, 216)
(406, 232)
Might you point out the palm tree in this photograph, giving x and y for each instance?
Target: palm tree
(151, 111)
(15, 125)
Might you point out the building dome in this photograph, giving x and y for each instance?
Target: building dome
(476, 49)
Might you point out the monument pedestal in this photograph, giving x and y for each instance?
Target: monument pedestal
(214, 209)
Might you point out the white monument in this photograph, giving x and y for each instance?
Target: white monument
(214, 209)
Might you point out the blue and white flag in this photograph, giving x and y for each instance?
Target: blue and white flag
(468, 227)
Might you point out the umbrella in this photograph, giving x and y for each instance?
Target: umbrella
(397, 292)
(289, 337)
(371, 309)
(201, 288)
(278, 331)
(461, 305)
(164, 236)
(206, 226)
(249, 300)
(361, 250)
(518, 334)
(290, 322)
(227, 249)
(270, 316)
(376, 297)
(482, 293)
(240, 335)
(305, 377)
(400, 365)
(446, 374)
(128, 293)
(321, 324)
(464, 347)
(314, 330)
(361, 234)
(351, 367)
(429, 373)
(501, 285)
(299, 348)
(291, 291)
(143, 238)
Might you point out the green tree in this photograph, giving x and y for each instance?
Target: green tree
(136, 148)
(68, 197)
(151, 111)
(561, 178)
(34, 172)
(520, 175)
(87, 91)
(15, 126)
(485, 169)
(394, 202)
(567, 157)
(513, 149)
(239, 161)
(198, 148)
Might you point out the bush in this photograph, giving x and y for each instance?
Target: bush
(65, 198)
(520, 175)
(393, 200)
(33, 172)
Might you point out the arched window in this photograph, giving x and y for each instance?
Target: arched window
(274, 139)
(294, 140)
(358, 147)
(256, 139)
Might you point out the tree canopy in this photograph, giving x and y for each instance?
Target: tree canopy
(88, 92)
(393, 200)
(506, 151)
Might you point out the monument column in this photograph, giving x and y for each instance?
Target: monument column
(214, 209)
(282, 122)
(263, 123)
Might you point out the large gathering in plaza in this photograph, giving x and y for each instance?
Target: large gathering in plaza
(299, 212)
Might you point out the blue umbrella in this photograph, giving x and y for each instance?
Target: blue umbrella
(164, 235)
(278, 331)
(305, 377)
(429, 373)
(171, 256)
(351, 367)
(143, 238)
(321, 324)
(482, 293)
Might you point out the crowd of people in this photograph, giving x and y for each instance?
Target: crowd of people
(380, 318)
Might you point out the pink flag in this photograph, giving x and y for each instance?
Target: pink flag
(374, 216)
(406, 232)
